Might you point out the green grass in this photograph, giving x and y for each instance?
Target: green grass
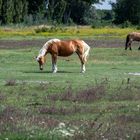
(103, 102)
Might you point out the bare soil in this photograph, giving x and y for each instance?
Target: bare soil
(38, 43)
(114, 43)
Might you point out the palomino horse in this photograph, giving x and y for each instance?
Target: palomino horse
(58, 47)
(134, 36)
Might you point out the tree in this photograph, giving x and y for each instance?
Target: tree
(91, 15)
(127, 10)
(0, 6)
(68, 10)
(36, 7)
(24, 10)
(19, 10)
(78, 9)
(13, 11)
(56, 9)
(7, 11)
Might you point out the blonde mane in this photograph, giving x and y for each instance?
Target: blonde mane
(45, 46)
(43, 50)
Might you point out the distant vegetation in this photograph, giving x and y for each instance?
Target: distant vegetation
(69, 12)
(43, 31)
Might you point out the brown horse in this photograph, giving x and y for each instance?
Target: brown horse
(57, 47)
(134, 36)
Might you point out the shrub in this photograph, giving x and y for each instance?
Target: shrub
(11, 82)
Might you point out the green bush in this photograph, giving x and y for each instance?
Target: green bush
(126, 24)
(50, 29)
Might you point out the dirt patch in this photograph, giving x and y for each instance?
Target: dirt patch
(7, 44)
(10, 44)
(114, 43)
(110, 43)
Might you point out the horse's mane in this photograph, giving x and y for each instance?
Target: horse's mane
(45, 46)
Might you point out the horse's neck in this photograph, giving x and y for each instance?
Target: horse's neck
(43, 52)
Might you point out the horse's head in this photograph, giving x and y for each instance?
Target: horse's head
(41, 61)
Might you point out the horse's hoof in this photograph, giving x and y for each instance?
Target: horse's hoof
(54, 71)
(82, 71)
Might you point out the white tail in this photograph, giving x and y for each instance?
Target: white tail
(86, 51)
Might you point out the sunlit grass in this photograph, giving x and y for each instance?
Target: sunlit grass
(103, 102)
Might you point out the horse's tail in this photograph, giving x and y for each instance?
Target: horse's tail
(127, 40)
(86, 50)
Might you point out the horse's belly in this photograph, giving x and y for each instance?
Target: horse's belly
(65, 51)
(137, 39)
(65, 54)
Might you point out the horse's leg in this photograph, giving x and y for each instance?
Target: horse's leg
(130, 45)
(83, 69)
(139, 48)
(126, 45)
(127, 42)
(54, 60)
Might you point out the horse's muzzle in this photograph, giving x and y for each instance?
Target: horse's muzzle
(41, 67)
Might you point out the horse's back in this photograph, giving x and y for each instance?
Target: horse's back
(68, 47)
(134, 36)
(65, 48)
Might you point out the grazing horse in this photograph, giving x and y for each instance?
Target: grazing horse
(58, 47)
(134, 36)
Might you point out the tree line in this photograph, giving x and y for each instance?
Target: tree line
(68, 11)
(60, 11)
(127, 11)
(18, 11)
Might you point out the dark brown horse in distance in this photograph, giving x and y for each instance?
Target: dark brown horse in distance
(134, 36)
(63, 48)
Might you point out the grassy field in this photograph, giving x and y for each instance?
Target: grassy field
(103, 103)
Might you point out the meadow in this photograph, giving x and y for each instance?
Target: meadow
(103, 103)
(20, 32)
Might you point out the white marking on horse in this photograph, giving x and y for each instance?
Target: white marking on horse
(54, 68)
(86, 50)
